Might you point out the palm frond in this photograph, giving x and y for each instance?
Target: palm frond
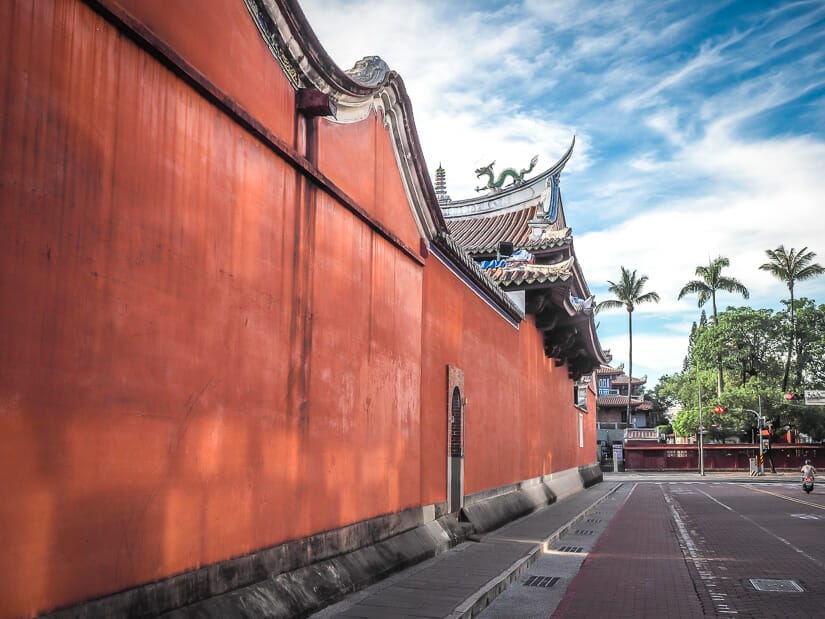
(731, 284)
(648, 297)
(694, 286)
(608, 304)
(812, 270)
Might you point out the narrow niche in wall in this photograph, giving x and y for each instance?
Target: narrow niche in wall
(456, 425)
(456, 406)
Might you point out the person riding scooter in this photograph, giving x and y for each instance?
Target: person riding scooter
(808, 470)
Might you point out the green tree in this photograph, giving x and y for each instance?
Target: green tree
(752, 344)
(628, 293)
(743, 340)
(790, 267)
(809, 352)
(686, 422)
(711, 280)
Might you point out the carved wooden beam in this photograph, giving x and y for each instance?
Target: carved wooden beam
(536, 303)
(547, 321)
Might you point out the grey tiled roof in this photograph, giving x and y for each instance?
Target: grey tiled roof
(482, 234)
(617, 400)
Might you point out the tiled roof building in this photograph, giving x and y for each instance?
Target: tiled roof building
(519, 236)
(611, 400)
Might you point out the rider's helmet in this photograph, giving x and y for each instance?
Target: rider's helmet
(807, 461)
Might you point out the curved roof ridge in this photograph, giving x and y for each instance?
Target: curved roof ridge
(369, 86)
(556, 168)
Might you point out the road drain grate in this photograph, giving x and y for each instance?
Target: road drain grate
(541, 581)
(569, 549)
(593, 520)
(583, 532)
(782, 586)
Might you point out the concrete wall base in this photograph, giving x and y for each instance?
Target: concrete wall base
(492, 509)
(300, 577)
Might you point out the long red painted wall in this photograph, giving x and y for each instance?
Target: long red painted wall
(203, 353)
(521, 421)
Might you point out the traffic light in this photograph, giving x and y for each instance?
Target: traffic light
(719, 409)
(793, 396)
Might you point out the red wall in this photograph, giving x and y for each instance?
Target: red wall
(202, 353)
(520, 418)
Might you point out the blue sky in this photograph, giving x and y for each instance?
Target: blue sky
(700, 130)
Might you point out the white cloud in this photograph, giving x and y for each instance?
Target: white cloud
(653, 354)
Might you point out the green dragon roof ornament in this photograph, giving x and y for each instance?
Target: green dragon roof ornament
(496, 185)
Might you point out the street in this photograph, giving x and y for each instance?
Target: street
(683, 548)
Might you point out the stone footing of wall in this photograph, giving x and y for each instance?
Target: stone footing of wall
(492, 509)
(300, 577)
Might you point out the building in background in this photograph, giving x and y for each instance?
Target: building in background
(611, 403)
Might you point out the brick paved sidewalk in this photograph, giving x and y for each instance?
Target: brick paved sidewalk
(462, 581)
(637, 568)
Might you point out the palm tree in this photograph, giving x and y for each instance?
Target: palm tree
(628, 293)
(711, 280)
(790, 267)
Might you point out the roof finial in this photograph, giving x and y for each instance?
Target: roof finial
(441, 186)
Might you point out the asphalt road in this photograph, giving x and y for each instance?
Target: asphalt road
(684, 548)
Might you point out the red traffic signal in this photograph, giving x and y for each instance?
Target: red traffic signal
(719, 409)
(792, 396)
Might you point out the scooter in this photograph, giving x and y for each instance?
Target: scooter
(808, 484)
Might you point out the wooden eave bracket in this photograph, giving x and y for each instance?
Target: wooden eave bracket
(311, 102)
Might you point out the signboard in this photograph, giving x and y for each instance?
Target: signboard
(814, 397)
(618, 452)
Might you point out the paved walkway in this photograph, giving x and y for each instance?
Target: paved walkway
(462, 581)
(635, 575)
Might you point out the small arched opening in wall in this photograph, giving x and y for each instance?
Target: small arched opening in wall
(455, 435)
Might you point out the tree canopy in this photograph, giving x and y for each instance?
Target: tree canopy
(750, 345)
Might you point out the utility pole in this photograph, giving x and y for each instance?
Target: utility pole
(760, 422)
(701, 432)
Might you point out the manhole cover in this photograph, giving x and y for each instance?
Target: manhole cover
(541, 581)
(770, 584)
(570, 549)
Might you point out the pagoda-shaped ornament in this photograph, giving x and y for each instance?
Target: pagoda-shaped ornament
(441, 186)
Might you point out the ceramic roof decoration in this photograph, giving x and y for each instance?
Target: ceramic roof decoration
(521, 274)
(515, 178)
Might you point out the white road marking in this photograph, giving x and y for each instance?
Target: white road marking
(805, 516)
(715, 501)
(768, 531)
(698, 561)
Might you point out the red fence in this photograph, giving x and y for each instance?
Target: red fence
(660, 457)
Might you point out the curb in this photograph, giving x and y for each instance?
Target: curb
(482, 598)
